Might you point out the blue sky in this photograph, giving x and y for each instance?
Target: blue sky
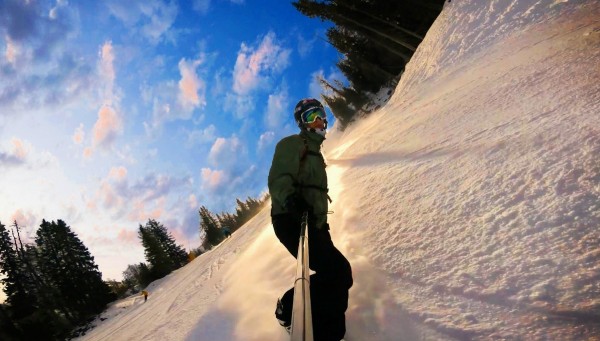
(114, 112)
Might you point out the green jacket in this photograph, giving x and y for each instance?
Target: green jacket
(298, 167)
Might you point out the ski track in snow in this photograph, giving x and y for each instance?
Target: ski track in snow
(468, 206)
(187, 292)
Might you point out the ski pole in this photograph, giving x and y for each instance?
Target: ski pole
(302, 329)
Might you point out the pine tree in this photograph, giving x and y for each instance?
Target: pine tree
(20, 296)
(253, 205)
(36, 315)
(32, 278)
(130, 277)
(175, 252)
(158, 258)
(241, 212)
(210, 227)
(246, 210)
(67, 266)
(228, 220)
(137, 276)
(376, 40)
(8, 330)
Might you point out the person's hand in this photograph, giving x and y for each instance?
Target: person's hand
(294, 203)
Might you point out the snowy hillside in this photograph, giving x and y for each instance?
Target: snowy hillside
(468, 206)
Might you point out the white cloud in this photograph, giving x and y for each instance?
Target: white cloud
(12, 51)
(192, 202)
(161, 110)
(19, 150)
(224, 151)
(109, 123)
(118, 173)
(192, 89)
(106, 128)
(49, 85)
(109, 197)
(228, 159)
(107, 71)
(201, 6)
(305, 46)
(154, 17)
(152, 153)
(128, 12)
(176, 100)
(141, 212)
(276, 108)
(241, 106)
(79, 135)
(219, 83)
(134, 200)
(161, 18)
(26, 220)
(53, 14)
(254, 66)
(38, 188)
(88, 152)
(255, 69)
(40, 69)
(165, 107)
(114, 191)
(212, 179)
(202, 136)
(265, 139)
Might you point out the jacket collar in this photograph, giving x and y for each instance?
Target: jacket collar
(312, 137)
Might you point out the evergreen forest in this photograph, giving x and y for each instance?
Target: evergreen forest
(54, 288)
(376, 39)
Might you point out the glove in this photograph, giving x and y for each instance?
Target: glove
(294, 203)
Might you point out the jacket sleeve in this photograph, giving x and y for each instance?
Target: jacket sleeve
(283, 175)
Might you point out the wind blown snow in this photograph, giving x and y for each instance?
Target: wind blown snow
(468, 206)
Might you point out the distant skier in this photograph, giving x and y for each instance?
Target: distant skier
(145, 293)
(298, 184)
(226, 232)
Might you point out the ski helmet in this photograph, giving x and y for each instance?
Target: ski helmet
(303, 106)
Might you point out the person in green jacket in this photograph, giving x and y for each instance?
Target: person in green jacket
(298, 184)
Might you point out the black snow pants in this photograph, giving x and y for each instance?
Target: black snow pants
(329, 284)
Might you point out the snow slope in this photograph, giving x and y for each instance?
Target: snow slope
(468, 206)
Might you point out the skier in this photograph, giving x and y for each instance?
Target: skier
(226, 232)
(145, 293)
(297, 184)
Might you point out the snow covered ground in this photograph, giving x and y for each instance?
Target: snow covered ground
(468, 206)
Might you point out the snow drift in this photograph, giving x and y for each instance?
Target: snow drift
(468, 206)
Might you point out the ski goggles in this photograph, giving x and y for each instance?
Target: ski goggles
(311, 115)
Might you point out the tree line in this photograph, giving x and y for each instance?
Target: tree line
(162, 253)
(376, 39)
(51, 286)
(54, 288)
(212, 226)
